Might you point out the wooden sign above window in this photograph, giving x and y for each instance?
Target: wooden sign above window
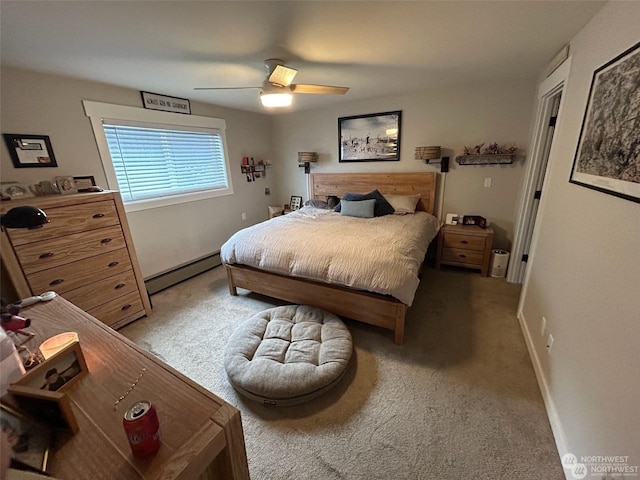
(155, 101)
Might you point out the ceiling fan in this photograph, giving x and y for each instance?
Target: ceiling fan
(277, 88)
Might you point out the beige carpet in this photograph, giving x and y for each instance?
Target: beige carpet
(458, 401)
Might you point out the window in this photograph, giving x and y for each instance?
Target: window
(160, 158)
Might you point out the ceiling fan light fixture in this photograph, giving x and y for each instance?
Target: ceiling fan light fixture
(276, 99)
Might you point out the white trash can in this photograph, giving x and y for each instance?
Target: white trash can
(499, 262)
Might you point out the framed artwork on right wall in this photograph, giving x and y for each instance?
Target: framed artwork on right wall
(608, 154)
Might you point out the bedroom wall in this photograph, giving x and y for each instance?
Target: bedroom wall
(584, 278)
(165, 237)
(451, 118)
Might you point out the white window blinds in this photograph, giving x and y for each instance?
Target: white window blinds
(159, 161)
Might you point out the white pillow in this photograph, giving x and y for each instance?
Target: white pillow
(403, 204)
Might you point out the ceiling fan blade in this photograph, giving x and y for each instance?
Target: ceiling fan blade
(320, 89)
(282, 76)
(223, 88)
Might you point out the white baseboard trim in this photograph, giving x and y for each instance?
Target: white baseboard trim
(552, 413)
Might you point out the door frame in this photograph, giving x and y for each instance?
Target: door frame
(526, 216)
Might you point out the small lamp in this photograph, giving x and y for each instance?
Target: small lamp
(305, 159)
(53, 345)
(24, 216)
(432, 155)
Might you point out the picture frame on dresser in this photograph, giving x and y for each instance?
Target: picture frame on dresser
(57, 372)
(30, 442)
(84, 183)
(51, 408)
(30, 151)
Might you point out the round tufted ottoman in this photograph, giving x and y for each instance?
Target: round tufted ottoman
(288, 355)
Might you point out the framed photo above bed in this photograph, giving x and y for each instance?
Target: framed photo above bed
(370, 138)
(608, 154)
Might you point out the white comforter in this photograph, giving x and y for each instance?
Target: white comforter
(381, 254)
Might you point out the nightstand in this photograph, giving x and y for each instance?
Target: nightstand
(466, 246)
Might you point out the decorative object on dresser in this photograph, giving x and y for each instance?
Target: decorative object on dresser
(85, 253)
(466, 246)
(66, 185)
(29, 151)
(15, 190)
(370, 138)
(84, 183)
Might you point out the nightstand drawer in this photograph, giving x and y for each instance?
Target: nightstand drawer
(468, 242)
(459, 255)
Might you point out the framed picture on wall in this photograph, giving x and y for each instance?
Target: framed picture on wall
(608, 154)
(370, 138)
(29, 151)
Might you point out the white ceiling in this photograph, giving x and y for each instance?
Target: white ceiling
(378, 48)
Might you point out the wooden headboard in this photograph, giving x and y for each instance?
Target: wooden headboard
(424, 183)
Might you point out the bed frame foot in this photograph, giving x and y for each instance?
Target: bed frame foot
(232, 288)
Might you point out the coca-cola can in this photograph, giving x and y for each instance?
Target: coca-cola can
(142, 428)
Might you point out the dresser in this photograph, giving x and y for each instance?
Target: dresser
(85, 253)
(202, 435)
(466, 246)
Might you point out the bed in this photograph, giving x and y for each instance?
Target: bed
(337, 289)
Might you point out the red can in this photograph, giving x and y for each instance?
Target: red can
(142, 428)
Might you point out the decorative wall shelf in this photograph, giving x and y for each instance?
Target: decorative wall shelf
(488, 159)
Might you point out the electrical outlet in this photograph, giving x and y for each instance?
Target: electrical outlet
(543, 326)
(487, 182)
(244, 216)
(549, 343)
(267, 191)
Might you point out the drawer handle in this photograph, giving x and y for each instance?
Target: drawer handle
(462, 255)
(98, 215)
(126, 307)
(104, 241)
(113, 264)
(57, 281)
(463, 241)
(119, 286)
(46, 255)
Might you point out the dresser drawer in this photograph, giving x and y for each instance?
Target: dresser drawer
(459, 255)
(103, 291)
(129, 306)
(467, 242)
(83, 272)
(67, 220)
(71, 248)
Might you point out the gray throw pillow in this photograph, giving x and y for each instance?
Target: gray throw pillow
(358, 208)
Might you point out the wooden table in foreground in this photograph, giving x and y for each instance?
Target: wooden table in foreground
(202, 434)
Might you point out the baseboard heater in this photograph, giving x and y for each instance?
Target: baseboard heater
(182, 273)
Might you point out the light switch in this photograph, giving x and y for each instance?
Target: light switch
(487, 182)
